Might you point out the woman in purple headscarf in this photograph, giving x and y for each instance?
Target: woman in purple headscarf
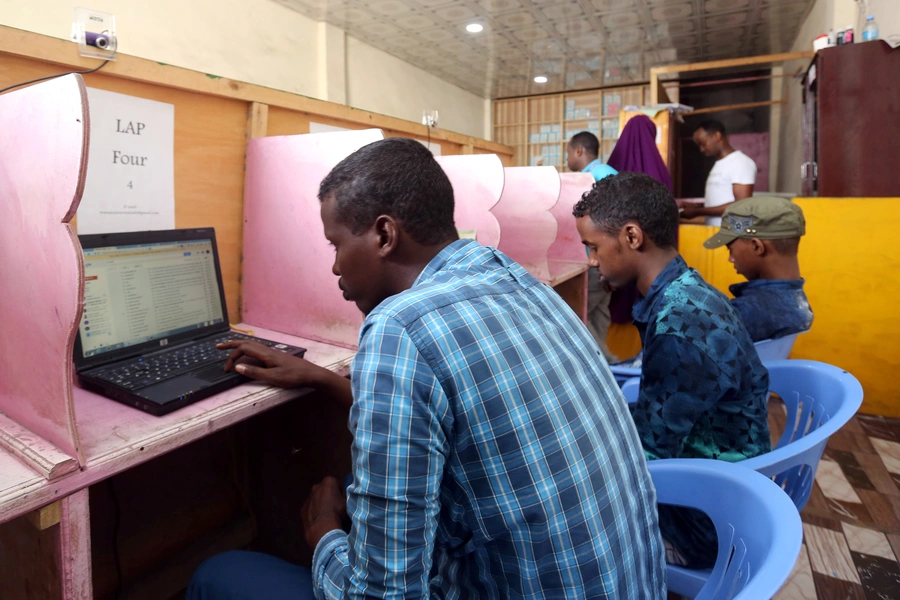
(635, 151)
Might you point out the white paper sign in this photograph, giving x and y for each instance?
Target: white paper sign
(130, 183)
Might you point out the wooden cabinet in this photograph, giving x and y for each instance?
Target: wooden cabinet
(540, 127)
(851, 122)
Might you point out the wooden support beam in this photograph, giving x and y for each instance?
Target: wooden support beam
(714, 82)
(45, 517)
(35, 46)
(712, 109)
(257, 120)
(731, 62)
(75, 546)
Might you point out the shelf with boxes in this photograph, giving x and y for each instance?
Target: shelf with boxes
(539, 127)
(546, 145)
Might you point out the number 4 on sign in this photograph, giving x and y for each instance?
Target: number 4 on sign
(129, 186)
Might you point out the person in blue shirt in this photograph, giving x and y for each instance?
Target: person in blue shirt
(763, 238)
(493, 455)
(581, 155)
(703, 390)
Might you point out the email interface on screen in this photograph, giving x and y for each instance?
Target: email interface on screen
(135, 294)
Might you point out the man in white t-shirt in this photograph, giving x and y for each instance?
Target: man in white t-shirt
(731, 179)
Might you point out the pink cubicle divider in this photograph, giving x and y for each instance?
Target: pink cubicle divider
(288, 285)
(477, 181)
(44, 135)
(528, 227)
(568, 244)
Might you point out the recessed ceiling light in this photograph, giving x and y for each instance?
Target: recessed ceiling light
(540, 79)
(474, 27)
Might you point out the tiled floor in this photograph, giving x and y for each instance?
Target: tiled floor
(851, 524)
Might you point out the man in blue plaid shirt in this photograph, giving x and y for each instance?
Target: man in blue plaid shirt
(493, 455)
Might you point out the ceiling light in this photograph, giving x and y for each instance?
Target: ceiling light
(540, 79)
(474, 27)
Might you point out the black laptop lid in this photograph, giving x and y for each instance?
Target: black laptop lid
(145, 290)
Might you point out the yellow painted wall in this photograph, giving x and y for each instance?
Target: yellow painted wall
(852, 272)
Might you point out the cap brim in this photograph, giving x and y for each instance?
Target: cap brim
(720, 239)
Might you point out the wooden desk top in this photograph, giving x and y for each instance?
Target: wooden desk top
(116, 437)
(564, 270)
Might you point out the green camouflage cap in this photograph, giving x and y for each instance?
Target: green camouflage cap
(762, 217)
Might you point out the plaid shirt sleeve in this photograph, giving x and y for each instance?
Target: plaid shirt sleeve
(400, 419)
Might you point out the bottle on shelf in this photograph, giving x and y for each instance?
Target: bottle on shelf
(848, 35)
(870, 31)
(840, 37)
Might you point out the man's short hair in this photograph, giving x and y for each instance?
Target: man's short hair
(632, 197)
(786, 246)
(397, 177)
(712, 126)
(588, 141)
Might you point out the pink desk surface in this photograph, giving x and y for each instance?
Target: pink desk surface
(477, 181)
(287, 280)
(114, 434)
(44, 138)
(527, 227)
(22, 489)
(116, 437)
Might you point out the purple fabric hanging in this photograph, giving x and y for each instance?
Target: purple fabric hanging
(636, 152)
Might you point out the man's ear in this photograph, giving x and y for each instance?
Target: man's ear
(759, 247)
(385, 235)
(633, 236)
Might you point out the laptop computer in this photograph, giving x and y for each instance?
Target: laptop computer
(154, 310)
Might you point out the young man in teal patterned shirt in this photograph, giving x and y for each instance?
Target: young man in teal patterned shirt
(703, 388)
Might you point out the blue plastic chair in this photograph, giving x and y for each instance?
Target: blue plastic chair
(819, 399)
(623, 373)
(630, 390)
(776, 348)
(758, 527)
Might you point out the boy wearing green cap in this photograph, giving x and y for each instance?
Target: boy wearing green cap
(763, 237)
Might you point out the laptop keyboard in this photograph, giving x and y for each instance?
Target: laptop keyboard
(148, 370)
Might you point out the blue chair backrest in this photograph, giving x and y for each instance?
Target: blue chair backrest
(758, 527)
(630, 389)
(776, 348)
(623, 373)
(819, 399)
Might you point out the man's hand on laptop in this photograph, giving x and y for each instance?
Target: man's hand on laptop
(284, 370)
(277, 367)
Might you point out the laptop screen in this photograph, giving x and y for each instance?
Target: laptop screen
(139, 293)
